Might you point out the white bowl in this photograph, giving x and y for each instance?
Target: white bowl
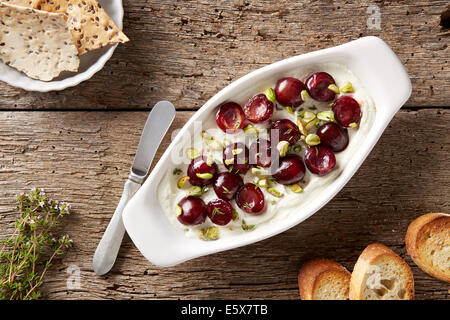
(90, 63)
(383, 76)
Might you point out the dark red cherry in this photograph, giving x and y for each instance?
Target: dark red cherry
(320, 160)
(219, 211)
(288, 91)
(200, 172)
(291, 170)
(236, 158)
(287, 131)
(230, 117)
(250, 199)
(333, 136)
(258, 109)
(260, 153)
(191, 211)
(318, 84)
(227, 184)
(347, 111)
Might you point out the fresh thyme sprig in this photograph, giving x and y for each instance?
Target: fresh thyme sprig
(26, 256)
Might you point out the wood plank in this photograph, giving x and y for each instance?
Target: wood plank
(84, 158)
(186, 51)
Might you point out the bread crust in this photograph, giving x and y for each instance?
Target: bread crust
(368, 257)
(311, 271)
(413, 237)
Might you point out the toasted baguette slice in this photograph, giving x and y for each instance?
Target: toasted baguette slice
(428, 243)
(323, 279)
(380, 274)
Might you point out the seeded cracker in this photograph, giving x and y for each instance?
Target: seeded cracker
(22, 3)
(35, 42)
(90, 25)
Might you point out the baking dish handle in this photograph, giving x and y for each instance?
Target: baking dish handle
(384, 76)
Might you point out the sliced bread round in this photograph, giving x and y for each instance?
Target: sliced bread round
(428, 243)
(380, 274)
(323, 279)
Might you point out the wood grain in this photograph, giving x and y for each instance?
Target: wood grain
(185, 51)
(84, 158)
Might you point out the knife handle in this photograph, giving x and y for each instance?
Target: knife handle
(106, 253)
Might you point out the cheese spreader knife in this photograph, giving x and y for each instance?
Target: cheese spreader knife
(158, 122)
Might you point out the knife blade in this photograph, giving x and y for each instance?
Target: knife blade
(158, 122)
(155, 128)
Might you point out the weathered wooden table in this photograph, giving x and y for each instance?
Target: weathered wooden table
(78, 144)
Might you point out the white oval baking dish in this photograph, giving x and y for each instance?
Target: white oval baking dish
(369, 58)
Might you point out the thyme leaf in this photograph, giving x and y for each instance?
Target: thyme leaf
(27, 255)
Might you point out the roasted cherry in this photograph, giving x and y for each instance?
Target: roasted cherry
(347, 111)
(200, 172)
(288, 91)
(236, 158)
(318, 84)
(230, 117)
(260, 153)
(227, 184)
(287, 130)
(291, 170)
(333, 136)
(219, 211)
(191, 211)
(250, 199)
(258, 109)
(320, 160)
